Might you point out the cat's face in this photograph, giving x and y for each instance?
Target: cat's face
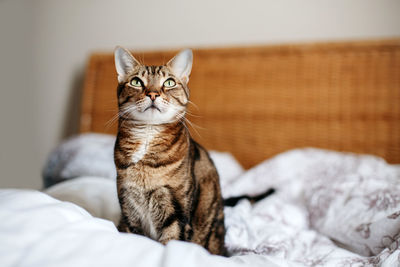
(153, 94)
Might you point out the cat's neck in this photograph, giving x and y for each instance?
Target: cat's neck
(141, 131)
(142, 139)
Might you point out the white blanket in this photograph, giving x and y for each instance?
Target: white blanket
(330, 209)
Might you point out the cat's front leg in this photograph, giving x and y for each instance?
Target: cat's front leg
(171, 223)
(172, 232)
(129, 227)
(175, 232)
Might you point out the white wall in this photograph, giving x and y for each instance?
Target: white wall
(19, 160)
(45, 44)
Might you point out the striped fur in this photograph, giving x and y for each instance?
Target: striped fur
(168, 186)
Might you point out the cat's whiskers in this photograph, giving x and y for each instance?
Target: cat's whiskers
(194, 126)
(111, 121)
(193, 104)
(120, 115)
(115, 117)
(181, 117)
(141, 104)
(169, 105)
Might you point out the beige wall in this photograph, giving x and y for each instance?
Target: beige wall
(45, 44)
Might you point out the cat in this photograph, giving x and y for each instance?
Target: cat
(167, 184)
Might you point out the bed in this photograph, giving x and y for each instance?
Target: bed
(320, 123)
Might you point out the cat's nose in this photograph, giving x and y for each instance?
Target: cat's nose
(153, 95)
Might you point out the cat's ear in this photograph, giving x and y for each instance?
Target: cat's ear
(181, 64)
(124, 62)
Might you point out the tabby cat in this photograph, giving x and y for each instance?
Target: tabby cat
(168, 187)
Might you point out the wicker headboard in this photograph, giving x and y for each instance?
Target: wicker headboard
(258, 101)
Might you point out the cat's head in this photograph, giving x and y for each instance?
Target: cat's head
(153, 94)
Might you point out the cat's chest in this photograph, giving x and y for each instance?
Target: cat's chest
(143, 139)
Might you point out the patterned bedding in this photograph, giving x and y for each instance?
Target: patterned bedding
(329, 209)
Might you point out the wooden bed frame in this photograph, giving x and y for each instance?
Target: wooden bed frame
(256, 102)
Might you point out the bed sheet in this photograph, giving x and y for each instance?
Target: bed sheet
(329, 209)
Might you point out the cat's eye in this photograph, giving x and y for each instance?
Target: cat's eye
(169, 83)
(136, 82)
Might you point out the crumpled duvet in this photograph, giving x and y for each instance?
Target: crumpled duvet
(329, 209)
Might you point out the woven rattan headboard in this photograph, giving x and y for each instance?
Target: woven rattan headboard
(258, 101)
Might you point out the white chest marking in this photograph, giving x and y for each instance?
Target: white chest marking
(145, 135)
(139, 153)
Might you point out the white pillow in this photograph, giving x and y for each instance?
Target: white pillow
(96, 195)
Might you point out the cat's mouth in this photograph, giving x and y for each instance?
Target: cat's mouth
(152, 107)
